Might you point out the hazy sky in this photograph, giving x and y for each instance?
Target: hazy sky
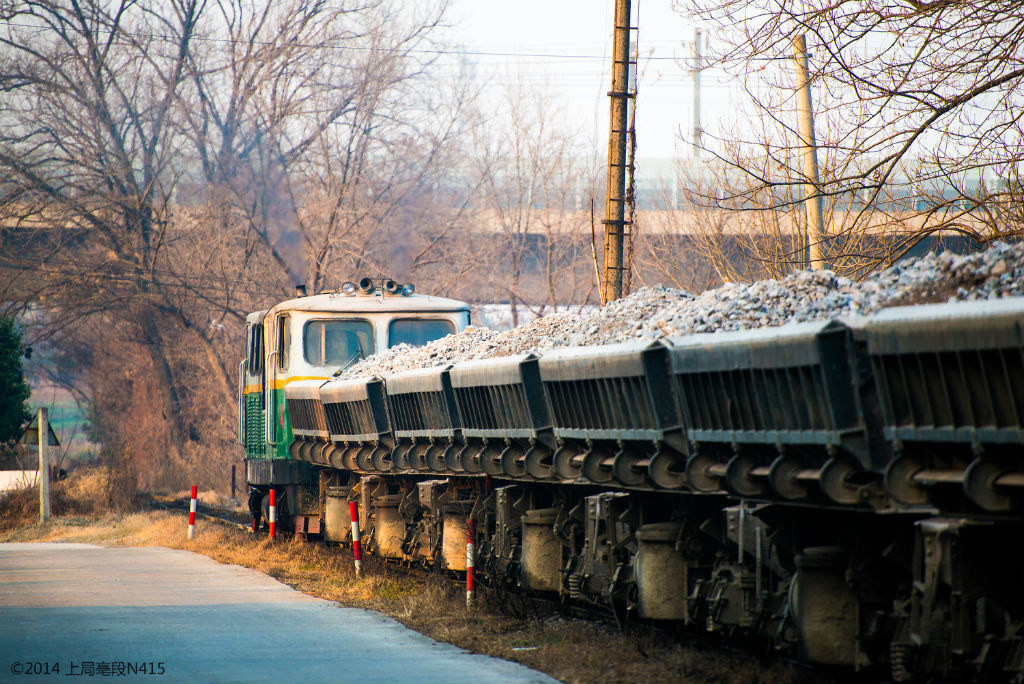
(566, 45)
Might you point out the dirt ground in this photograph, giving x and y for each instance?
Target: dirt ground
(571, 650)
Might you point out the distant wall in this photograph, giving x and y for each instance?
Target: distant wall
(17, 479)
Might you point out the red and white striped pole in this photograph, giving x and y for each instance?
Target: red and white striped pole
(272, 515)
(192, 514)
(470, 561)
(357, 549)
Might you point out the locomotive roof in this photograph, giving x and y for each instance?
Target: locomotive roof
(360, 303)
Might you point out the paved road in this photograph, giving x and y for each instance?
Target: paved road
(129, 614)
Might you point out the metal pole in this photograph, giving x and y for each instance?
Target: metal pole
(615, 202)
(696, 93)
(232, 482)
(44, 465)
(812, 184)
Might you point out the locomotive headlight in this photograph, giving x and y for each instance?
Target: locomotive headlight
(408, 289)
(349, 288)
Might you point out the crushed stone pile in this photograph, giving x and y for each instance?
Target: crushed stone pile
(655, 312)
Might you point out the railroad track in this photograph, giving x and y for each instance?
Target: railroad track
(200, 513)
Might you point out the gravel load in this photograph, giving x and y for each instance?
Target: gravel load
(655, 312)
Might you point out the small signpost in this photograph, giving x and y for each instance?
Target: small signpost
(192, 514)
(41, 434)
(470, 562)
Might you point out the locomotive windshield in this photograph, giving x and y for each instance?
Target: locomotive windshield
(417, 332)
(337, 342)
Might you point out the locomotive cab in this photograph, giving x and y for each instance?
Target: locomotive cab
(310, 339)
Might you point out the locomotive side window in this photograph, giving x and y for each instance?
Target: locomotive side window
(284, 339)
(337, 342)
(256, 350)
(418, 331)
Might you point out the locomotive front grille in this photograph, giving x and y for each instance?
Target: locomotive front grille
(255, 442)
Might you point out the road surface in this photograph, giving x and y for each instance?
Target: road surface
(159, 615)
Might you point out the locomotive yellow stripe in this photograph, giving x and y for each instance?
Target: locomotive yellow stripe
(280, 383)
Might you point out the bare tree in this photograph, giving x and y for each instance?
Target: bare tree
(318, 122)
(168, 167)
(537, 182)
(917, 110)
(88, 145)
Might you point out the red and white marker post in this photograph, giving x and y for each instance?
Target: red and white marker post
(192, 514)
(272, 514)
(357, 549)
(470, 561)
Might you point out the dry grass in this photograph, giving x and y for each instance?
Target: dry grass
(570, 650)
(90, 492)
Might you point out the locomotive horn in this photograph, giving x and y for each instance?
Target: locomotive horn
(366, 285)
(391, 287)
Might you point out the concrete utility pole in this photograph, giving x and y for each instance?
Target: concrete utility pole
(696, 93)
(44, 465)
(615, 204)
(812, 184)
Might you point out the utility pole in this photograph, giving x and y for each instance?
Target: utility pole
(615, 203)
(44, 465)
(812, 184)
(696, 94)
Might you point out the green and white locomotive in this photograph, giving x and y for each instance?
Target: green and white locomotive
(307, 340)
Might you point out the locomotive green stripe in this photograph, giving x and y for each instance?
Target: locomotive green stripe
(282, 430)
